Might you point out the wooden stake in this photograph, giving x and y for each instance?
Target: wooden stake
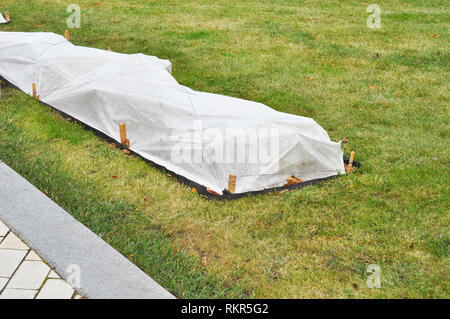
(232, 183)
(123, 134)
(8, 17)
(67, 35)
(34, 91)
(350, 161)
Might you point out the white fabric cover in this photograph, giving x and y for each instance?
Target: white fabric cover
(102, 88)
(2, 20)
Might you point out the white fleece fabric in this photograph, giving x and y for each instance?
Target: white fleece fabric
(202, 136)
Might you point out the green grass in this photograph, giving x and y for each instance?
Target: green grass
(314, 242)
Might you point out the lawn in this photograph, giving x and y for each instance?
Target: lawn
(386, 89)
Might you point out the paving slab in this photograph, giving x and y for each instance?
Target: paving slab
(18, 294)
(13, 242)
(31, 278)
(3, 282)
(55, 289)
(53, 274)
(98, 272)
(33, 256)
(3, 229)
(29, 275)
(11, 259)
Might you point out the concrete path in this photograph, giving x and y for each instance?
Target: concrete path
(24, 275)
(79, 256)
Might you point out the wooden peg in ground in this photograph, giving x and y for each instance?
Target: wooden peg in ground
(67, 34)
(232, 183)
(8, 16)
(349, 167)
(292, 180)
(35, 91)
(352, 158)
(123, 135)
